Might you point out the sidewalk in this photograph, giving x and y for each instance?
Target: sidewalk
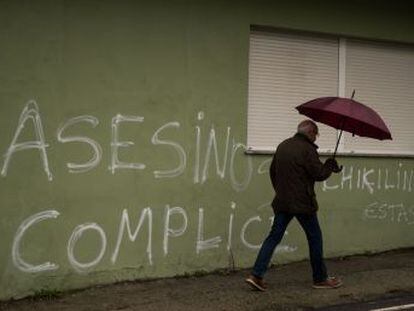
(365, 278)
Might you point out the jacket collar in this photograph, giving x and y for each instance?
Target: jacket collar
(306, 138)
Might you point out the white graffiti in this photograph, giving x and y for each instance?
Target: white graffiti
(96, 159)
(30, 111)
(146, 213)
(180, 151)
(168, 232)
(212, 142)
(145, 218)
(264, 167)
(351, 178)
(197, 156)
(372, 179)
(25, 225)
(229, 160)
(202, 163)
(200, 116)
(116, 144)
(243, 232)
(201, 243)
(230, 231)
(76, 235)
(395, 213)
(240, 186)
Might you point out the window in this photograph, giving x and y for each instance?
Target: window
(287, 69)
(383, 77)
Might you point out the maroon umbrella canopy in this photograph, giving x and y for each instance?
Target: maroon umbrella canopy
(346, 114)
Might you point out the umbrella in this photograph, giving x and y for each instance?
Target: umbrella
(346, 114)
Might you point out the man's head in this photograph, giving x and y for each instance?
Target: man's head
(309, 129)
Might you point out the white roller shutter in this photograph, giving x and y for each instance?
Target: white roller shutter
(383, 76)
(286, 70)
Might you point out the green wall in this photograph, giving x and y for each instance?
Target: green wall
(170, 78)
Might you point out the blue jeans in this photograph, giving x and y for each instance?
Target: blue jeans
(313, 233)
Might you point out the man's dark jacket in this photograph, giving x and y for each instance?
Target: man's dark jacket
(294, 170)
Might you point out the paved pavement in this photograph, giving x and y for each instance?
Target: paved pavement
(388, 276)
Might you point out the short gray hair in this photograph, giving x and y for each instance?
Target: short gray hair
(306, 126)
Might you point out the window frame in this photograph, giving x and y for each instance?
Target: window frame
(341, 73)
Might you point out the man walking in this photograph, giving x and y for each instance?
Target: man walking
(294, 170)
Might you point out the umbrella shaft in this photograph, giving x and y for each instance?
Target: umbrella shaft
(337, 143)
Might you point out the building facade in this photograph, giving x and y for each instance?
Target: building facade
(137, 136)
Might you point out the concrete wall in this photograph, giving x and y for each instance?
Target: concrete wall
(151, 98)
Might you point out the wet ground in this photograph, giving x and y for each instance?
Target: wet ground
(387, 276)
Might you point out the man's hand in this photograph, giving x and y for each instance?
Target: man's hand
(333, 165)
